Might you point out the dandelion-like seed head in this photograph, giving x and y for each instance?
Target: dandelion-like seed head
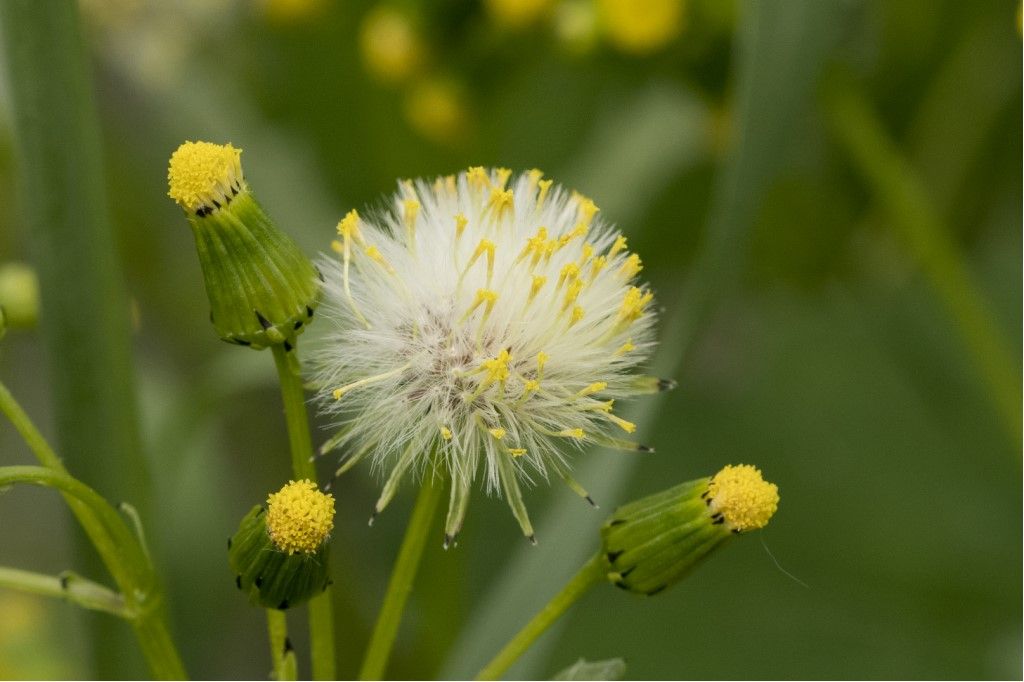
(742, 496)
(203, 176)
(482, 324)
(299, 517)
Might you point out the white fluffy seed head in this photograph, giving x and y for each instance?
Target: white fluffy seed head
(479, 325)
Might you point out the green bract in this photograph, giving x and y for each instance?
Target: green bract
(262, 288)
(273, 578)
(652, 543)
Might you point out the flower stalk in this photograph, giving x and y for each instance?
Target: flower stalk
(400, 585)
(321, 608)
(654, 542)
(592, 573)
(68, 586)
(280, 646)
(122, 552)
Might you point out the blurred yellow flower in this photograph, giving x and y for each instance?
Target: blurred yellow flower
(436, 109)
(392, 49)
(576, 25)
(641, 26)
(517, 13)
(290, 11)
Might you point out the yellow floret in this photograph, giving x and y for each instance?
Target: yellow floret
(743, 497)
(299, 517)
(202, 175)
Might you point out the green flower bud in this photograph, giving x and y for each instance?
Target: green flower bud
(652, 543)
(279, 554)
(262, 288)
(19, 295)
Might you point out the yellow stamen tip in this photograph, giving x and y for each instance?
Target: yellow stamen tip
(517, 452)
(349, 225)
(477, 177)
(542, 192)
(410, 210)
(631, 266)
(627, 426)
(571, 433)
(743, 497)
(446, 433)
(496, 368)
(487, 296)
(619, 245)
(536, 285)
(588, 209)
(569, 271)
(299, 517)
(595, 387)
(577, 315)
(501, 200)
(202, 175)
(498, 433)
(633, 304)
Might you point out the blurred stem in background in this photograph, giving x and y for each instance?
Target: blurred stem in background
(68, 586)
(400, 584)
(321, 609)
(85, 308)
(126, 558)
(592, 573)
(902, 195)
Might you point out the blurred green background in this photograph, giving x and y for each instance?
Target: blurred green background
(827, 198)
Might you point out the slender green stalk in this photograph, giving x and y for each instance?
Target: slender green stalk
(902, 195)
(68, 586)
(400, 585)
(99, 536)
(155, 640)
(67, 227)
(591, 574)
(280, 646)
(321, 609)
(134, 575)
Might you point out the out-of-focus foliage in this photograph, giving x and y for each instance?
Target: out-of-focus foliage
(800, 326)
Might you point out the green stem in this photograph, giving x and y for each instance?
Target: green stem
(85, 326)
(155, 640)
(105, 545)
(902, 194)
(28, 431)
(68, 586)
(400, 584)
(588, 576)
(280, 646)
(321, 608)
(128, 562)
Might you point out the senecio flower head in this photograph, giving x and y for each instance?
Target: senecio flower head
(481, 325)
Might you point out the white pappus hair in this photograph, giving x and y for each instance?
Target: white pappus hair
(478, 325)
